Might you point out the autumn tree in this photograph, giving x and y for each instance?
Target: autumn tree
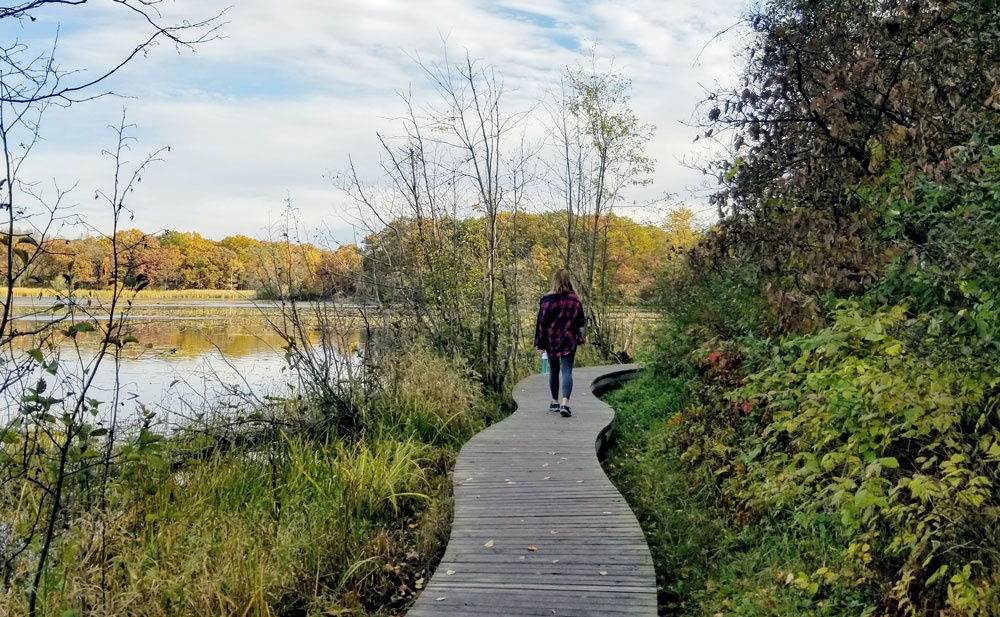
(340, 271)
(204, 263)
(140, 254)
(250, 254)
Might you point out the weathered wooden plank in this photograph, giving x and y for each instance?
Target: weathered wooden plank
(539, 529)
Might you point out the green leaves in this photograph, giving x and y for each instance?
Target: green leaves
(894, 441)
(77, 328)
(23, 255)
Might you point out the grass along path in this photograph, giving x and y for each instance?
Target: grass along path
(314, 523)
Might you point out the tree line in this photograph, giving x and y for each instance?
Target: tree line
(185, 260)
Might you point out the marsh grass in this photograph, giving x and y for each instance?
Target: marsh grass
(236, 535)
(434, 400)
(301, 525)
(148, 293)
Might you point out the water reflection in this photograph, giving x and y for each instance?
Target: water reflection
(193, 357)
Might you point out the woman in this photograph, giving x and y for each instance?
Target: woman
(558, 332)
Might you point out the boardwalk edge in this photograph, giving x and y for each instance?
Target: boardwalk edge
(601, 386)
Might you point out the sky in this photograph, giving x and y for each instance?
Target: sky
(269, 114)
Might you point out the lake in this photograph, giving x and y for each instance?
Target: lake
(192, 357)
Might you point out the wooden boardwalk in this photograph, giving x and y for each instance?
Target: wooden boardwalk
(539, 529)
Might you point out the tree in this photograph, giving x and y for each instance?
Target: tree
(465, 155)
(833, 92)
(339, 271)
(250, 254)
(602, 146)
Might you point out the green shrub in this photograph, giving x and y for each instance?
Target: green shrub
(710, 559)
(941, 226)
(901, 449)
(701, 302)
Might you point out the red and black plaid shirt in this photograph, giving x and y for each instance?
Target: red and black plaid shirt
(559, 327)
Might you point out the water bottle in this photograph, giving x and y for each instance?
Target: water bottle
(545, 363)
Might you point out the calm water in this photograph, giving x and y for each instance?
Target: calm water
(192, 357)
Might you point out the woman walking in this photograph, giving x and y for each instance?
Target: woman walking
(558, 332)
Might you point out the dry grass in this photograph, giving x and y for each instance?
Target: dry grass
(146, 294)
(296, 527)
(236, 535)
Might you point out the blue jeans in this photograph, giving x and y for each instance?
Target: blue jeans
(561, 367)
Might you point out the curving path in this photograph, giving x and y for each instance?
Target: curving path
(539, 529)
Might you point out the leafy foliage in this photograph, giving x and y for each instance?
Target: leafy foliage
(839, 329)
(832, 92)
(941, 226)
(901, 447)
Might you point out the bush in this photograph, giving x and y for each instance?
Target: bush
(941, 226)
(431, 398)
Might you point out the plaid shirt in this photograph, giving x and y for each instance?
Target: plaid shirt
(559, 327)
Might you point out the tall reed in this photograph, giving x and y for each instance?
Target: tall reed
(147, 293)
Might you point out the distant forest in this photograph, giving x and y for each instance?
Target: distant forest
(186, 260)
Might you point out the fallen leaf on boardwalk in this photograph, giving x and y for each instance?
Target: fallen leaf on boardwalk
(545, 465)
(603, 573)
(605, 513)
(522, 557)
(553, 532)
(489, 544)
(546, 477)
(532, 548)
(579, 481)
(450, 573)
(441, 598)
(555, 561)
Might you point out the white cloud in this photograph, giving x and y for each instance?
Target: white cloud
(297, 87)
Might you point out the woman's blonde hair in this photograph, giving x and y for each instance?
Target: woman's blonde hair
(561, 282)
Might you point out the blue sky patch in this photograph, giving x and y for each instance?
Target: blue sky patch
(543, 21)
(556, 34)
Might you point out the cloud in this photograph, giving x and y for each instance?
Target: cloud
(268, 112)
